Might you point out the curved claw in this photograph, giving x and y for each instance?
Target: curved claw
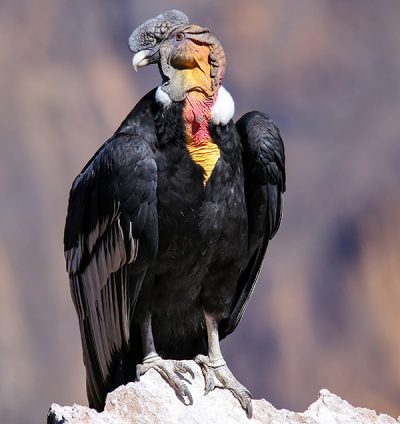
(209, 380)
(138, 372)
(188, 394)
(183, 368)
(249, 409)
(181, 389)
(208, 373)
(244, 399)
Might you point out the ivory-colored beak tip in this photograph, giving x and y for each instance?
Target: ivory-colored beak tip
(140, 59)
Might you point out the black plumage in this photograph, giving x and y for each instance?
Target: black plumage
(146, 236)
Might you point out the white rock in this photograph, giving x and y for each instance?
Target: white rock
(152, 400)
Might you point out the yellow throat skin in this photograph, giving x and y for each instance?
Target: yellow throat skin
(205, 155)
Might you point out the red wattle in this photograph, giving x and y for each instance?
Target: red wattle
(197, 116)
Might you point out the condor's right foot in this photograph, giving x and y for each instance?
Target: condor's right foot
(170, 370)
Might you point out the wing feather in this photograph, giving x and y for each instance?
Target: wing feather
(264, 170)
(109, 206)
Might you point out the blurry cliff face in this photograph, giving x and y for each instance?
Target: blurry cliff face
(325, 311)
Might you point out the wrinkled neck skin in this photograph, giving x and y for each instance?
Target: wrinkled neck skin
(197, 116)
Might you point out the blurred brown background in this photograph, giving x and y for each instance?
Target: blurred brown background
(326, 310)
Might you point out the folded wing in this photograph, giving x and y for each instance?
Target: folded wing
(264, 170)
(110, 238)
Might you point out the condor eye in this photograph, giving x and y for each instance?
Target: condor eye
(179, 36)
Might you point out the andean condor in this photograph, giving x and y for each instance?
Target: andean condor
(169, 222)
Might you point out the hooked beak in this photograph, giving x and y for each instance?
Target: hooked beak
(141, 58)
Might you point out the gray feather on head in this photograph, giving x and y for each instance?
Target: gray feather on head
(151, 32)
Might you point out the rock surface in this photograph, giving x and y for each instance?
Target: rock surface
(152, 400)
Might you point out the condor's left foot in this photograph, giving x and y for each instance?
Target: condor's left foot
(214, 365)
(227, 379)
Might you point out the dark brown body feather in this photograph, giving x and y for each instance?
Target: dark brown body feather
(197, 247)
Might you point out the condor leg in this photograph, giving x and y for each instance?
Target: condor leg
(169, 369)
(214, 365)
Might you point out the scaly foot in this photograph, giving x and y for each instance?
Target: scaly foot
(219, 369)
(171, 371)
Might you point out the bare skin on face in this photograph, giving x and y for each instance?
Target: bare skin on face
(197, 106)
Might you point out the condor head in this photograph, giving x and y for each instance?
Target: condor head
(145, 40)
(190, 59)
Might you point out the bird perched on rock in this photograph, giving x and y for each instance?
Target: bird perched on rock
(168, 223)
